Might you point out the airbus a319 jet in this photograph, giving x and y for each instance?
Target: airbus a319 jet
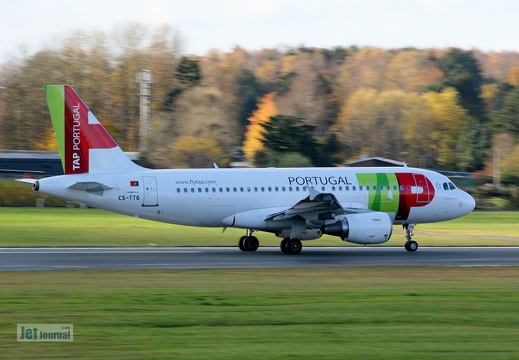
(358, 205)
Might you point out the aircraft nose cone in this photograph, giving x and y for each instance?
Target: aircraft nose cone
(467, 203)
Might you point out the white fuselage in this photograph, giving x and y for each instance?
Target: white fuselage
(205, 197)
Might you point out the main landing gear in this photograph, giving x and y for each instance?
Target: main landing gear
(291, 246)
(287, 246)
(410, 245)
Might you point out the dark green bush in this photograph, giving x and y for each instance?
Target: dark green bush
(14, 193)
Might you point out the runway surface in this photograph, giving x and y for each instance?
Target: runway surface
(37, 259)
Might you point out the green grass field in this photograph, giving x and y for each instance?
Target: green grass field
(335, 313)
(342, 313)
(93, 227)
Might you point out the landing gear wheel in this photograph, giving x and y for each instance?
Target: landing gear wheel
(411, 245)
(291, 246)
(241, 244)
(251, 243)
(283, 245)
(248, 243)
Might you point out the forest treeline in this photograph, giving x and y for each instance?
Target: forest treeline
(442, 108)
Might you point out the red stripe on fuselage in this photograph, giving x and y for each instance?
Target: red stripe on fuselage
(408, 198)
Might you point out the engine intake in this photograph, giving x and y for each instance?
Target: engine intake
(367, 228)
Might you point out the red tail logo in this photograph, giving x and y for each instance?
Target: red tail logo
(82, 133)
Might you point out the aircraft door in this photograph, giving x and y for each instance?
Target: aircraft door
(151, 195)
(423, 194)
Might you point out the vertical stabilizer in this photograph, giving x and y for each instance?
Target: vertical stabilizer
(84, 144)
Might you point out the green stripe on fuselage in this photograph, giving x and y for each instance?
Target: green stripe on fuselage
(55, 95)
(384, 193)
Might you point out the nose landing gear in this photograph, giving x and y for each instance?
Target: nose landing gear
(410, 244)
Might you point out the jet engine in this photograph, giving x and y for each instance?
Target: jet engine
(365, 228)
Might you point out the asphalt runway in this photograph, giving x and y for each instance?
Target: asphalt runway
(126, 258)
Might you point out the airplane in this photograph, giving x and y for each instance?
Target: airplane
(358, 205)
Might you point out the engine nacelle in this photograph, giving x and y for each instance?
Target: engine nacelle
(366, 228)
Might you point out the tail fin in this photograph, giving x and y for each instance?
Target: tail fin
(84, 144)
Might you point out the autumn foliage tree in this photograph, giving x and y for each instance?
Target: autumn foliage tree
(429, 107)
(254, 135)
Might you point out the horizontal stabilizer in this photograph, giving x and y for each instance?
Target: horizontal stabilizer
(28, 181)
(91, 187)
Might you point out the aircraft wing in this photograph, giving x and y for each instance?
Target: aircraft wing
(316, 206)
(319, 206)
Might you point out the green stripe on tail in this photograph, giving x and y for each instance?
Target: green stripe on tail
(55, 95)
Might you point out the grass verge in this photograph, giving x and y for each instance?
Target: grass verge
(370, 313)
(93, 227)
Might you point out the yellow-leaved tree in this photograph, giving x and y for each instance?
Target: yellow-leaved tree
(254, 136)
(513, 76)
(49, 142)
(440, 125)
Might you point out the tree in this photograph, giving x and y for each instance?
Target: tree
(372, 122)
(293, 159)
(363, 69)
(439, 127)
(474, 143)
(288, 134)
(513, 76)
(411, 70)
(188, 71)
(510, 165)
(507, 118)
(254, 135)
(248, 93)
(195, 152)
(463, 73)
(306, 96)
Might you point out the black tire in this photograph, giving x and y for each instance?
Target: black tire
(283, 245)
(251, 243)
(241, 243)
(411, 246)
(294, 246)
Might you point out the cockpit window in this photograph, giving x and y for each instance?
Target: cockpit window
(449, 186)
